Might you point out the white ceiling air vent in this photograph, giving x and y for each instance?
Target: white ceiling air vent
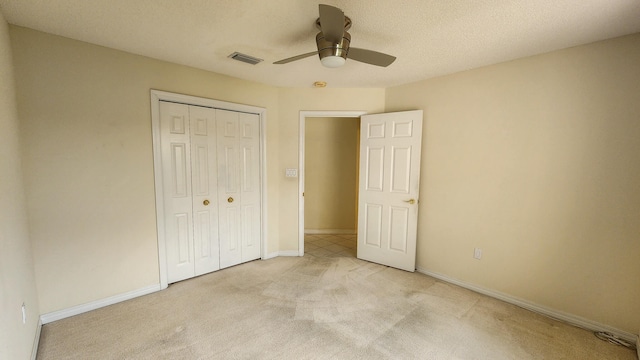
(245, 58)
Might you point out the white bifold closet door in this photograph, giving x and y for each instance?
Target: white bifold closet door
(195, 177)
(238, 186)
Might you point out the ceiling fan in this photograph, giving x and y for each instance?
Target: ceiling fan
(333, 42)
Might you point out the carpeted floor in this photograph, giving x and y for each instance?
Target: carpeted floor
(325, 305)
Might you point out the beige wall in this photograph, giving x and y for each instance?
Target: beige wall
(17, 283)
(291, 102)
(537, 162)
(87, 152)
(331, 152)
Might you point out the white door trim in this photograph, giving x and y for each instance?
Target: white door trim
(303, 116)
(156, 97)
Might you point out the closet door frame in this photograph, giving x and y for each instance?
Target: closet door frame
(156, 97)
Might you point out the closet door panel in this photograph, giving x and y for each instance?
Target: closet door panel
(176, 176)
(205, 189)
(229, 202)
(249, 144)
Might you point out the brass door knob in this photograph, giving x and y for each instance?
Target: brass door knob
(230, 199)
(411, 201)
(205, 203)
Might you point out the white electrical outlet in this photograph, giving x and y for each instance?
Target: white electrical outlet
(24, 313)
(477, 253)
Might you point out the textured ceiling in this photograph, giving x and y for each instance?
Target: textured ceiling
(429, 37)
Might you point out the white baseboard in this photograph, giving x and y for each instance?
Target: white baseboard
(76, 310)
(270, 256)
(289, 253)
(281, 253)
(330, 231)
(36, 340)
(556, 314)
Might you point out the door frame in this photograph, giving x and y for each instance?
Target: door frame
(156, 97)
(303, 116)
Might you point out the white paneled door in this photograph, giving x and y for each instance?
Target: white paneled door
(201, 169)
(204, 190)
(239, 186)
(389, 188)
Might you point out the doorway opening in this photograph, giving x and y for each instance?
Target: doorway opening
(328, 183)
(331, 186)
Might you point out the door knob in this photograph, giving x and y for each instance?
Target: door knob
(411, 201)
(230, 199)
(205, 203)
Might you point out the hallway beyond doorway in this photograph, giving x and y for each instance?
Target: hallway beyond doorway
(330, 245)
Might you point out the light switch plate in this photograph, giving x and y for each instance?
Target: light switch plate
(291, 173)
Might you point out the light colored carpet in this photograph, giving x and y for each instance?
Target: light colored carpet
(323, 306)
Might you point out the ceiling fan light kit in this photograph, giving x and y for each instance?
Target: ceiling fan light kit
(332, 61)
(331, 54)
(333, 42)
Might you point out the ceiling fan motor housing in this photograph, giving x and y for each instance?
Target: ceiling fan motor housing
(327, 48)
(334, 41)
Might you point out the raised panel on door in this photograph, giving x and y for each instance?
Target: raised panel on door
(389, 188)
(229, 202)
(176, 176)
(374, 173)
(398, 228)
(249, 148)
(205, 189)
(372, 226)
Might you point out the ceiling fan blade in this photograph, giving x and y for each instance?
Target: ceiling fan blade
(332, 23)
(370, 57)
(297, 57)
